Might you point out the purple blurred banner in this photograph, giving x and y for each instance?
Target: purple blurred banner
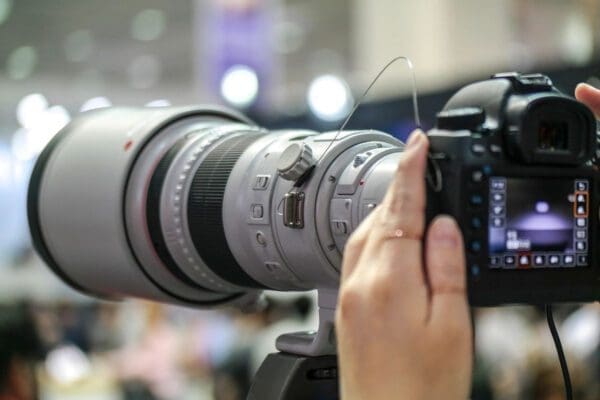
(232, 33)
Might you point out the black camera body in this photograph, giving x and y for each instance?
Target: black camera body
(514, 161)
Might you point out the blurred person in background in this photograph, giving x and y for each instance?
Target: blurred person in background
(19, 349)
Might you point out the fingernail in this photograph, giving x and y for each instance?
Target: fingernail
(414, 139)
(445, 232)
(582, 85)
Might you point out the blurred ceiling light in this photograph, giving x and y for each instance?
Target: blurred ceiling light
(148, 24)
(30, 108)
(577, 39)
(158, 103)
(39, 124)
(5, 9)
(94, 103)
(144, 71)
(79, 45)
(21, 62)
(239, 86)
(67, 364)
(21, 148)
(329, 97)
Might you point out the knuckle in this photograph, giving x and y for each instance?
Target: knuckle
(404, 164)
(348, 304)
(405, 196)
(355, 241)
(405, 202)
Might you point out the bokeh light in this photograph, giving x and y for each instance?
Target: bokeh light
(577, 39)
(158, 103)
(95, 103)
(39, 123)
(148, 24)
(30, 108)
(67, 364)
(21, 62)
(5, 9)
(239, 86)
(329, 97)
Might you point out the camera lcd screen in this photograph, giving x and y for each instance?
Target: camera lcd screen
(538, 223)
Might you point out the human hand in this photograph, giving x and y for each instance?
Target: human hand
(590, 96)
(403, 324)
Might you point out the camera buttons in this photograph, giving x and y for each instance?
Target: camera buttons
(509, 261)
(494, 262)
(475, 246)
(340, 227)
(257, 211)
(498, 184)
(554, 259)
(476, 200)
(476, 223)
(497, 210)
(524, 261)
(260, 239)
(581, 186)
(261, 182)
(477, 176)
(498, 197)
(582, 259)
(568, 260)
(539, 260)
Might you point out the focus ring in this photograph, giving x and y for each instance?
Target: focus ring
(174, 220)
(205, 209)
(153, 213)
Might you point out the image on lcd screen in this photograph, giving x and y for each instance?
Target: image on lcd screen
(538, 223)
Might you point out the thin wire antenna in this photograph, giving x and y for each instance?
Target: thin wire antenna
(360, 100)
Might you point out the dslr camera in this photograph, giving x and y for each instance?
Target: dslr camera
(199, 206)
(518, 164)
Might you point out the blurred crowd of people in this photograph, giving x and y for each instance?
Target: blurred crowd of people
(137, 350)
(145, 351)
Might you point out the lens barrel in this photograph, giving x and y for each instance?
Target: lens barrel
(184, 205)
(94, 201)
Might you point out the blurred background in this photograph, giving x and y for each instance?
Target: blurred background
(286, 63)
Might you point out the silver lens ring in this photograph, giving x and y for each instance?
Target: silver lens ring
(174, 204)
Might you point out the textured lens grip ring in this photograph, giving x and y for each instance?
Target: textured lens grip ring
(153, 213)
(205, 209)
(173, 206)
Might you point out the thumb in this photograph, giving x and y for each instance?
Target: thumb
(445, 259)
(590, 96)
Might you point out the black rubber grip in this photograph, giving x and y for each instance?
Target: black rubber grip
(205, 210)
